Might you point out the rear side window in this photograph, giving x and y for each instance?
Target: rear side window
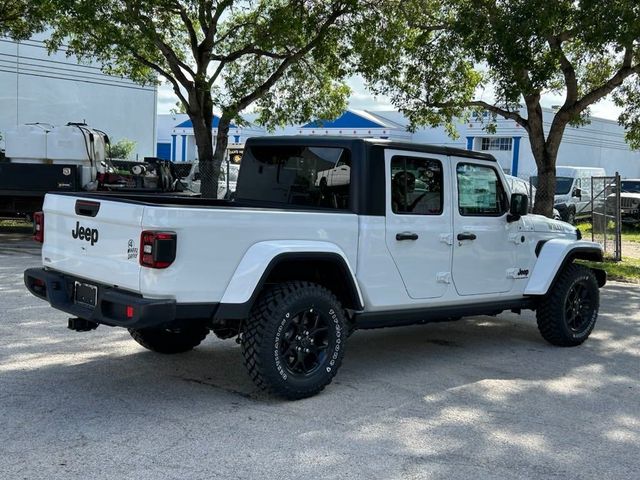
(416, 186)
(480, 192)
(296, 175)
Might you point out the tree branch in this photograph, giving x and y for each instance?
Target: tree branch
(626, 70)
(248, 50)
(163, 72)
(248, 99)
(193, 37)
(568, 71)
(175, 64)
(215, 19)
(508, 114)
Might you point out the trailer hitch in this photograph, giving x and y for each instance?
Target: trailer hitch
(81, 325)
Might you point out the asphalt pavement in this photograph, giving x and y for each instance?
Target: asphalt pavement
(482, 398)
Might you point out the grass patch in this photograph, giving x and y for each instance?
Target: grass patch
(629, 233)
(628, 270)
(15, 225)
(17, 222)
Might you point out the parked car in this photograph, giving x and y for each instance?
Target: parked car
(573, 194)
(292, 270)
(192, 181)
(629, 201)
(338, 175)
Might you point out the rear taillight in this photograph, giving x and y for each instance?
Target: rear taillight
(157, 249)
(38, 227)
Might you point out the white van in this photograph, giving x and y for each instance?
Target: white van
(573, 191)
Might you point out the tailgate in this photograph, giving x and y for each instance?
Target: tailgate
(93, 239)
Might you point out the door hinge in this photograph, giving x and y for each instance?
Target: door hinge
(443, 277)
(516, 238)
(446, 238)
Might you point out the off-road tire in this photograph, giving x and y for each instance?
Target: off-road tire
(176, 340)
(554, 312)
(270, 332)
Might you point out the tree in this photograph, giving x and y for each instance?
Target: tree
(19, 19)
(281, 56)
(432, 57)
(122, 149)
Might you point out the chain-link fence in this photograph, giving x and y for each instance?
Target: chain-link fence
(606, 215)
(200, 180)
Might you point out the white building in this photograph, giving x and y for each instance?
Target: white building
(599, 144)
(54, 89)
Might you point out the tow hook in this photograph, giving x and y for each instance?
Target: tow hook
(81, 325)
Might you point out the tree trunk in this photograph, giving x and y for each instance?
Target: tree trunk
(546, 187)
(200, 112)
(222, 140)
(545, 152)
(204, 141)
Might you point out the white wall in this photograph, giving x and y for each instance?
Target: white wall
(36, 87)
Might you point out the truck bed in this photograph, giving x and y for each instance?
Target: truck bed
(212, 238)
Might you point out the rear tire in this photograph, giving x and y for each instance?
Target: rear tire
(170, 340)
(567, 314)
(293, 342)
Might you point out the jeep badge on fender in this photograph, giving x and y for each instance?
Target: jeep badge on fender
(88, 234)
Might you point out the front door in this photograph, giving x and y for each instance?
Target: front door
(418, 221)
(484, 242)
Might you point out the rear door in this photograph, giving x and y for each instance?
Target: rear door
(94, 239)
(418, 220)
(484, 252)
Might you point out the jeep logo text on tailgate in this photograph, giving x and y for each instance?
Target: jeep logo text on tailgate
(88, 234)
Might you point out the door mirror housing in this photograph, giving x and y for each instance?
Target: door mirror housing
(519, 206)
(577, 193)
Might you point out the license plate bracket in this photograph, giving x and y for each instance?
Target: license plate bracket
(85, 294)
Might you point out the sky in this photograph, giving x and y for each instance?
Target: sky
(363, 99)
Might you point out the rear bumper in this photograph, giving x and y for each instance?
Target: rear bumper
(111, 303)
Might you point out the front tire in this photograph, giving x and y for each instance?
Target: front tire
(293, 342)
(567, 314)
(170, 340)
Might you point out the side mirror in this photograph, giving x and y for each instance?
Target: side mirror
(519, 206)
(577, 193)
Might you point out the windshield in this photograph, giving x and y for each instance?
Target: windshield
(563, 184)
(630, 186)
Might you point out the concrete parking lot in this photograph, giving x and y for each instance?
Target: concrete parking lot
(480, 398)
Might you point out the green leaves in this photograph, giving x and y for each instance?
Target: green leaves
(628, 98)
(283, 57)
(19, 19)
(431, 58)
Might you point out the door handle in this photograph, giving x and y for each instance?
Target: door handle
(406, 236)
(466, 236)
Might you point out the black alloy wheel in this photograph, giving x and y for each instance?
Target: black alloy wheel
(578, 307)
(304, 345)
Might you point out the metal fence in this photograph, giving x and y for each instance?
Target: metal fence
(606, 215)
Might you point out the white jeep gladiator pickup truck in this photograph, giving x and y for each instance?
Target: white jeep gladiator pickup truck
(291, 266)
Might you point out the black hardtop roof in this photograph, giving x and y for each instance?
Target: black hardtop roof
(346, 142)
